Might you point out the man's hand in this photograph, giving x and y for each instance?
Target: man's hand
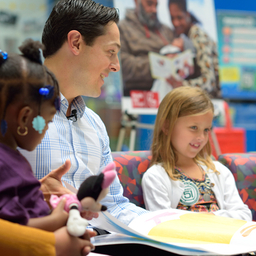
(89, 215)
(51, 183)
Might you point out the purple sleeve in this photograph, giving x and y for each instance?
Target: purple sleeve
(20, 197)
(10, 207)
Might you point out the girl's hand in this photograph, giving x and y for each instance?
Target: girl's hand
(57, 219)
(59, 215)
(67, 245)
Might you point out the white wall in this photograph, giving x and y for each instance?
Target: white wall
(31, 16)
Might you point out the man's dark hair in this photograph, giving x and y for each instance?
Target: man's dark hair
(85, 16)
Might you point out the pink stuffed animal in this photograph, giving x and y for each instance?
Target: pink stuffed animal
(88, 197)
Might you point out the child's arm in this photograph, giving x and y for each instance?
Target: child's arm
(57, 219)
(156, 188)
(229, 200)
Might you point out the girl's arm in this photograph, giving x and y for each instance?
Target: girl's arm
(229, 200)
(57, 219)
(156, 188)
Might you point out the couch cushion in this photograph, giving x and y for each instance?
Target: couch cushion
(130, 167)
(243, 167)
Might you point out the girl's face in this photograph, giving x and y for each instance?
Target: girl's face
(190, 134)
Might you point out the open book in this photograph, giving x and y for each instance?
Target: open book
(179, 67)
(181, 232)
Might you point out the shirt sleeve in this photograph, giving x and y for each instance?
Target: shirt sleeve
(118, 205)
(25, 241)
(233, 206)
(155, 192)
(10, 207)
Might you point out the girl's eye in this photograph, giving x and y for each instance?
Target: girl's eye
(193, 127)
(208, 129)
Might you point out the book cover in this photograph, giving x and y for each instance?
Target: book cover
(179, 67)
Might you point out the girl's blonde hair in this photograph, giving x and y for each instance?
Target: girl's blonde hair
(182, 101)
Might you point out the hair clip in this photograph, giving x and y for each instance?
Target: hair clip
(3, 127)
(51, 92)
(47, 91)
(38, 124)
(44, 91)
(4, 54)
(57, 103)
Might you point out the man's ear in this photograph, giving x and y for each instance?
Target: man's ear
(24, 116)
(74, 40)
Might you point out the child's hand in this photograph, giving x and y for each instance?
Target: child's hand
(57, 219)
(67, 245)
(59, 215)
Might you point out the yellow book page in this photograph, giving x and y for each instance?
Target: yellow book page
(198, 227)
(178, 240)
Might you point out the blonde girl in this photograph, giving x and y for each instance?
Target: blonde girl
(182, 173)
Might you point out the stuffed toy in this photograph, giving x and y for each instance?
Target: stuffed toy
(88, 197)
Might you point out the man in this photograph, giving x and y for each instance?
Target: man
(140, 33)
(81, 41)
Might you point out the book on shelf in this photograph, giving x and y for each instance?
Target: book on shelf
(180, 232)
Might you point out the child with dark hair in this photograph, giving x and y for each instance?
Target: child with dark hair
(29, 98)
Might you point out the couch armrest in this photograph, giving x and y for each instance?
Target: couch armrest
(130, 167)
(243, 167)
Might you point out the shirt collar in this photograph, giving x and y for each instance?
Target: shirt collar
(78, 104)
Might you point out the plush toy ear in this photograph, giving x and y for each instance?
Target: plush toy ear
(90, 187)
(109, 175)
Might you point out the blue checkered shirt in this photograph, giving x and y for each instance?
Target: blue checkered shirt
(86, 143)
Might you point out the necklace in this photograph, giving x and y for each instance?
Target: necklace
(200, 168)
(188, 186)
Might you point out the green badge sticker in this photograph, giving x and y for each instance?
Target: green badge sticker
(190, 195)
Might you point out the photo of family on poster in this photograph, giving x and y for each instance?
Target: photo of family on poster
(166, 44)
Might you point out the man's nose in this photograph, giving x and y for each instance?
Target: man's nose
(153, 9)
(115, 66)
